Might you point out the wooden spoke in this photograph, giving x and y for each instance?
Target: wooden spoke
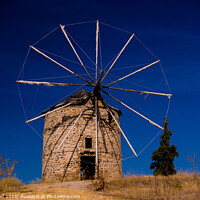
(63, 30)
(134, 110)
(49, 84)
(102, 72)
(96, 124)
(97, 36)
(118, 56)
(141, 92)
(47, 113)
(59, 64)
(83, 110)
(134, 72)
(120, 128)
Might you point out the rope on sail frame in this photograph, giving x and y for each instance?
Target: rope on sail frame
(25, 112)
(46, 35)
(22, 69)
(149, 143)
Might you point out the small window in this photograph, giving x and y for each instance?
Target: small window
(88, 143)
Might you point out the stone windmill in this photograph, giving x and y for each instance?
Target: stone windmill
(71, 135)
(82, 134)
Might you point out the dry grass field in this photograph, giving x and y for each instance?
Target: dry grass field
(183, 186)
(178, 187)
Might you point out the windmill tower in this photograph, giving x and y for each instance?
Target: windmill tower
(82, 134)
(72, 147)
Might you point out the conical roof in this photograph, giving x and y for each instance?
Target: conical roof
(79, 98)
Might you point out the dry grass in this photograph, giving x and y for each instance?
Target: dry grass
(178, 187)
(10, 184)
(181, 186)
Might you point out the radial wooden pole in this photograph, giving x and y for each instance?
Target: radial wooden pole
(97, 36)
(49, 84)
(120, 129)
(145, 92)
(134, 72)
(72, 127)
(150, 121)
(118, 56)
(59, 64)
(63, 30)
(98, 83)
(47, 113)
(96, 124)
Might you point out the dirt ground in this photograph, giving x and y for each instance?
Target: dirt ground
(65, 190)
(182, 186)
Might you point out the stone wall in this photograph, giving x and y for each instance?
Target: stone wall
(64, 165)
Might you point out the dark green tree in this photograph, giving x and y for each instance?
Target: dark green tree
(164, 156)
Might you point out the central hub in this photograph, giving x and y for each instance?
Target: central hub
(97, 85)
(96, 90)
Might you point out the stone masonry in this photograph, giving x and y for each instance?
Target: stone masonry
(65, 164)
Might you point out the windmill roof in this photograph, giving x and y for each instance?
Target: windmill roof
(78, 98)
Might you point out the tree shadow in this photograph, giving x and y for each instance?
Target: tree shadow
(64, 119)
(53, 130)
(114, 151)
(67, 165)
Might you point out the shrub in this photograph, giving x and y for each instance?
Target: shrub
(10, 184)
(36, 181)
(6, 168)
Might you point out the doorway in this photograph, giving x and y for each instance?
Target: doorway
(87, 167)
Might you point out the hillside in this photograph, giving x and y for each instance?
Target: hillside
(178, 187)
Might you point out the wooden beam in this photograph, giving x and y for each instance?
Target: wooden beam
(97, 37)
(49, 84)
(120, 129)
(118, 56)
(102, 72)
(134, 72)
(59, 64)
(150, 121)
(30, 120)
(96, 124)
(141, 92)
(83, 110)
(66, 36)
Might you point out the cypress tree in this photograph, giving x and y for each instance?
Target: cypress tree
(164, 156)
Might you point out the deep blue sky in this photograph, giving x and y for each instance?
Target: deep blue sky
(171, 29)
